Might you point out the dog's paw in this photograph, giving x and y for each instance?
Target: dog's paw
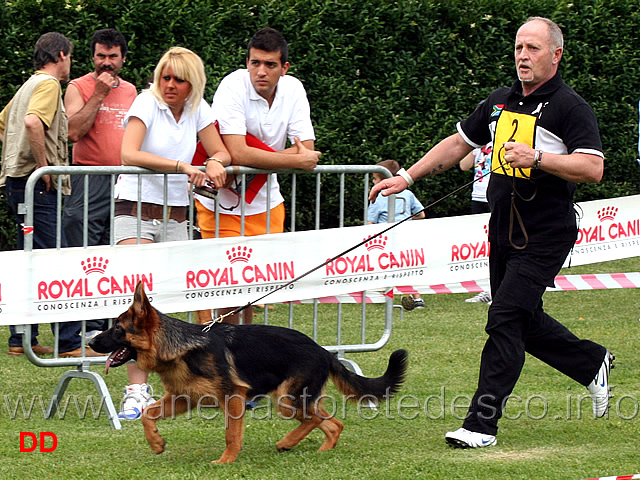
(225, 458)
(158, 446)
(282, 448)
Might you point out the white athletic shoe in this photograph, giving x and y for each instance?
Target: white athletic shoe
(93, 333)
(137, 397)
(482, 297)
(418, 303)
(463, 438)
(599, 387)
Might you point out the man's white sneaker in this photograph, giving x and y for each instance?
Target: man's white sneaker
(463, 438)
(599, 387)
(137, 397)
(418, 303)
(482, 297)
(93, 333)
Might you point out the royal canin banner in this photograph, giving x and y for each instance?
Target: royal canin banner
(75, 283)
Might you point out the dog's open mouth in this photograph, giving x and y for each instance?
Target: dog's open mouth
(119, 357)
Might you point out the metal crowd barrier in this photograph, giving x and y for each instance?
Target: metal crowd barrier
(82, 364)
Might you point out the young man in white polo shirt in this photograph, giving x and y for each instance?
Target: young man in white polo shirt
(261, 100)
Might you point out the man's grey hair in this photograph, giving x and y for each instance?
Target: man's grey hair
(48, 48)
(555, 33)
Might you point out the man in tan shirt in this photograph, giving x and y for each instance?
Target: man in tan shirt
(33, 130)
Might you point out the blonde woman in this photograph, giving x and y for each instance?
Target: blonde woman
(161, 131)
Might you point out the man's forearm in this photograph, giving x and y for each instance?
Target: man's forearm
(81, 121)
(310, 144)
(35, 134)
(244, 155)
(257, 158)
(441, 157)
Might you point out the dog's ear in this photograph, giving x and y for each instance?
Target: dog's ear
(141, 306)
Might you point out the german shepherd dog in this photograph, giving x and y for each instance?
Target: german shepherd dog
(229, 364)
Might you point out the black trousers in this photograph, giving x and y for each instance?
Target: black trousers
(517, 324)
(99, 211)
(479, 207)
(98, 219)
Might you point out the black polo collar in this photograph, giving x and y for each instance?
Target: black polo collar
(549, 87)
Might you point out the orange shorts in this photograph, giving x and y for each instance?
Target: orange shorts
(230, 224)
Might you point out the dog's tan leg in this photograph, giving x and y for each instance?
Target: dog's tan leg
(203, 316)
(167, 406)
(308, 421)
(332, 428)
(295, 436)
(234, 410)
(247, 315)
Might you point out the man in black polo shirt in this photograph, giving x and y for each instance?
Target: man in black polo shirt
(545, 140)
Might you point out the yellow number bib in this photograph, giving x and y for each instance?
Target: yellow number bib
(512, 127)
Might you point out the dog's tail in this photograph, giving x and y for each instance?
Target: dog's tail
(356, 387)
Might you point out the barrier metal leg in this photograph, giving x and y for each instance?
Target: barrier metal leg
(355, 368)
(399, 307)
(103, 391)
(350, 364)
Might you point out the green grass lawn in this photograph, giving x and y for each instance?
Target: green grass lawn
(548, 431)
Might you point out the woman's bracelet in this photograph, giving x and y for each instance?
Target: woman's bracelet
(404, 174)
(213, 158)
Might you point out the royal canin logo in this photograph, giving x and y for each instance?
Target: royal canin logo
(94, 265)
(608, 228)
(471, 250)
(85, 287)
(250, 273)
(357, 264)
(239, 254)
(607, 213)
(378, 243)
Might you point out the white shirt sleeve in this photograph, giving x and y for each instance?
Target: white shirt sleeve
(300, 124)
(205, 115)
(228, 106)
(143, 107)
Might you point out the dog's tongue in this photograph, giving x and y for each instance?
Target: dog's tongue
(109, 360)
(119, 356)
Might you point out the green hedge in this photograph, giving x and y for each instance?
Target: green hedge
(385, 79)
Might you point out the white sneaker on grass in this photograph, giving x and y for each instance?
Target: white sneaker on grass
(599, 387)
(482, 297)
(137, 397)
(418, 303)
(93, 333)
(463, 438)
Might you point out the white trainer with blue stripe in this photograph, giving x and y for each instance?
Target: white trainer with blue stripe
(463, 438)
(137, 397)
(599, 388)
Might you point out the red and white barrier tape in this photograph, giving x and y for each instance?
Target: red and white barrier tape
(601, 281)
(619, 477)
(597, 281)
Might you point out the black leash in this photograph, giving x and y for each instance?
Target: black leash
(368, 239)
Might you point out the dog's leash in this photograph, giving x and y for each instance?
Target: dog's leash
(220, 318)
